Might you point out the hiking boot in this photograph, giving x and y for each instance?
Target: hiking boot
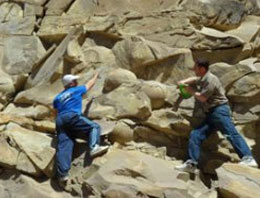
(98, 150)
(248, 161)
(188, 166)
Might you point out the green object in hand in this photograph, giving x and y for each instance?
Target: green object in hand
(184, 92)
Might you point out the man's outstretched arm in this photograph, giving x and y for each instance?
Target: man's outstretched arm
(188, 81)
(91, 82)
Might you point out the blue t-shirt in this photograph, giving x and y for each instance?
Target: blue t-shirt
(70, 100)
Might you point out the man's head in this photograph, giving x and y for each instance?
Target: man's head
(201, 67)
(70, 80)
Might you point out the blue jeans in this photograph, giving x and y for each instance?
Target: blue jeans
(218, 118)
(69, 125)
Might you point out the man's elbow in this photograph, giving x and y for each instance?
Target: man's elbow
(201, 98)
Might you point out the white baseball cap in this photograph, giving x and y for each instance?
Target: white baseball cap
(69, 78)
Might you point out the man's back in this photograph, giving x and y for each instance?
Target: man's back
(70, 99)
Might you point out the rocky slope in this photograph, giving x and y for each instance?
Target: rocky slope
(140, 48)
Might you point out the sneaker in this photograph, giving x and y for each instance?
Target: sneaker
(64, 179)
(248, 161)
(98, 150)
(187, 166)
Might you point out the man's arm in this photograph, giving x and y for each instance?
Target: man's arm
(196, 94)
(188, 81)
(91, 82)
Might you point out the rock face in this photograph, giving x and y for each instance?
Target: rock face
(136, 103)
(27, 49)
(131, 174)
(140, 49)
(31, 152)
(237, 181)
(19, 184)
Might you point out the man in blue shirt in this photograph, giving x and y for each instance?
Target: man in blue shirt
(69, 122)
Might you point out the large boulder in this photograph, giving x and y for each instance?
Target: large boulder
(236, 181)
(36, 112)
(217, 48)
(55, 28)
(51, 65)
(134, 104)
(132, 53)
(246, 117)
(253, 7)
(156, 92)
(122, 132)
(98, 55)
(42, 94)
(10, 11)
(117, 77)
(176, 31)
(19, 185)
(249, 31)
(216, 39)
(33, 10)
(246, 113)
(222, 15)
(169, 122)
(155, 137)
(21, 26)
(9, 155)
(57, 7)
(7, 88)
(252, 63)
(228, 74)
(132, 173)
(34, 151)
(84, 8)
(19, 120)
(246, 89)
(27, 49)
(173, 30)
(150, 60)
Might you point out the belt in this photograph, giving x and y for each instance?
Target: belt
(212, 108)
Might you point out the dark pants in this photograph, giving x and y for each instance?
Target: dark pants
(68, 126)
(217, 119)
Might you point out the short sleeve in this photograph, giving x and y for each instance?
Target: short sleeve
(82, 89)
(208, 89)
